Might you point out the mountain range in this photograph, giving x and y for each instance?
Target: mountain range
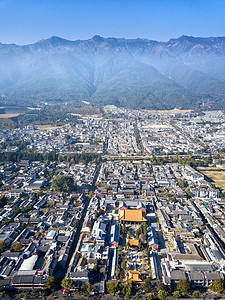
(187, 72)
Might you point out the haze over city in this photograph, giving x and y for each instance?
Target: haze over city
(112, 149)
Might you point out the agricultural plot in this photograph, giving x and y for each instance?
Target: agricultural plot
(218, 177)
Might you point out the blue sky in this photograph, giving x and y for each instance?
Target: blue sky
(26, 21)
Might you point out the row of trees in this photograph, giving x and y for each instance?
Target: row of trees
(183, 288)
(181, 159)
(127, 289)
(67, 284)
(138, 137)
(50, 156)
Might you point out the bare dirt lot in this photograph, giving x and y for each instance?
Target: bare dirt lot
(218, 178)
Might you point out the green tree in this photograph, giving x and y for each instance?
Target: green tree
(183, 286)
(176, 294)
(112, 288)
(2, 246)
(162, 294)
(196, 294)
(3, 201)
(138, 295)
(61, 183)
(188, 192)
(83, 288)
(89, 288)
(67, 283)
(118, 273)
(50, 283)
(217, 286)
(127, 296)
(123, 264)
(67, 136)
(16, 247)
(222, 195)
(126, 290)
(76, 223)
(141, 230)
(26, 209)
(142, 238)
(91, 194)
(160, 286)
(149, 296)
(86, 288)
(180, 183)
(147, 284)
(16, 209)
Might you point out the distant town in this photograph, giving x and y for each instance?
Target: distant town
(115, 204)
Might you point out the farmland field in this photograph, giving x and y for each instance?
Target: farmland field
(8, 116)
(47, 127)
(218, 177)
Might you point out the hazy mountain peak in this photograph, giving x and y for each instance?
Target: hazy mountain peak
(53, 41)
(97, 38)
(56, 39)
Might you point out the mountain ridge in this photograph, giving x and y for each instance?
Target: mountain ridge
(183, 72)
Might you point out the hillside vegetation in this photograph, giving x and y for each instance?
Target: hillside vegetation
(186, 72)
